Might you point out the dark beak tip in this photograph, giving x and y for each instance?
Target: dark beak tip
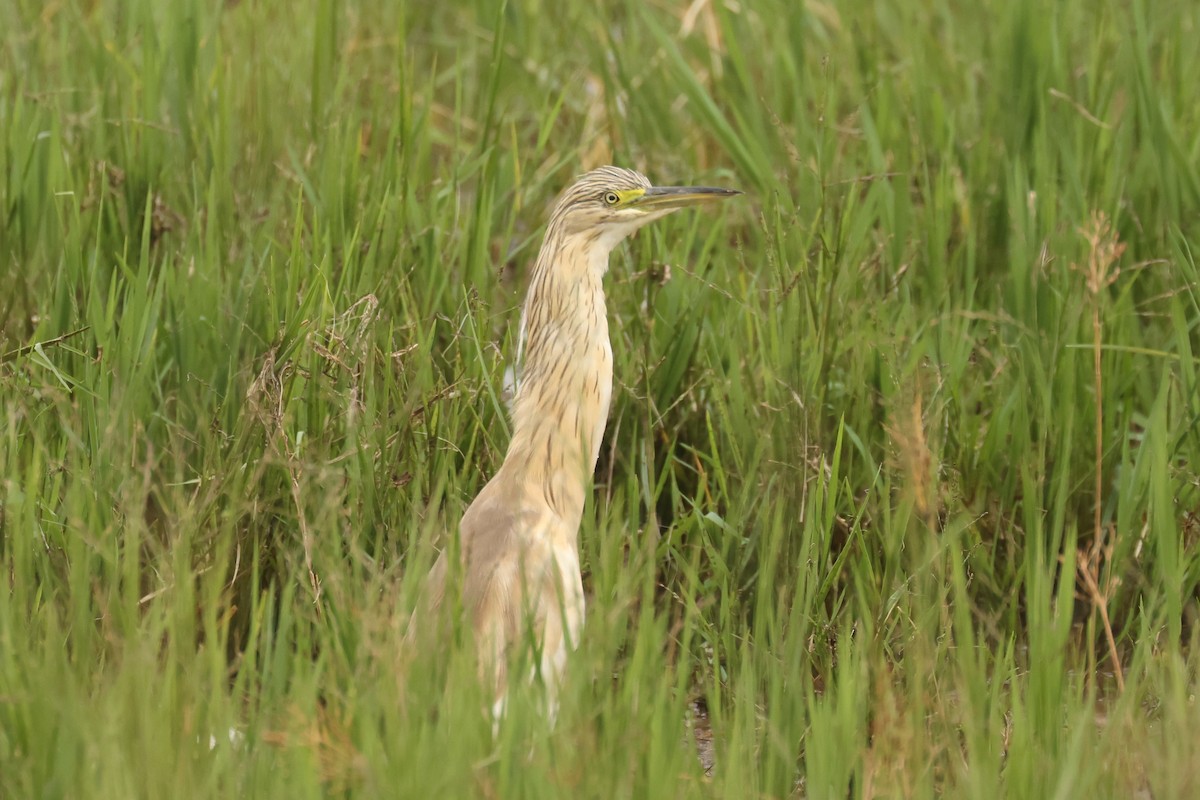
(719, 191)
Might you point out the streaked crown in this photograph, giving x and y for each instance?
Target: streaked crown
(611, 202)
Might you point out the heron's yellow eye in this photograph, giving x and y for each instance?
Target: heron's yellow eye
(610, 198)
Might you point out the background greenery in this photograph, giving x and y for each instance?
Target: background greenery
(260, 267)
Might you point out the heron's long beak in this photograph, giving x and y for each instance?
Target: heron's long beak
(658, 198)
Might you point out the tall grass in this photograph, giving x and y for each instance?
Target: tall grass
(890, 495)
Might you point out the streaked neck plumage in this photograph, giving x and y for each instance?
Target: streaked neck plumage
(565, 382)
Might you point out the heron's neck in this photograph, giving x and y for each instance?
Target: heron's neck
(561, 406)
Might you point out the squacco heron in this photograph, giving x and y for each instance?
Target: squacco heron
(521, 584)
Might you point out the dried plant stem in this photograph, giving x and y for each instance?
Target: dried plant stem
(1104, 252)
(1088, 565)
(1097, 376)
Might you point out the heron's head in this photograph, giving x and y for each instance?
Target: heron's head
(611, 203)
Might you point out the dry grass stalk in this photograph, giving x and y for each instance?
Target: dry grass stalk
(1101, 271)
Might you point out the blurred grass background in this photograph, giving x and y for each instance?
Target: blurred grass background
(898, 496)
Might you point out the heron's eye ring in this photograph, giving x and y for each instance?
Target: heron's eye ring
(610, 198)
